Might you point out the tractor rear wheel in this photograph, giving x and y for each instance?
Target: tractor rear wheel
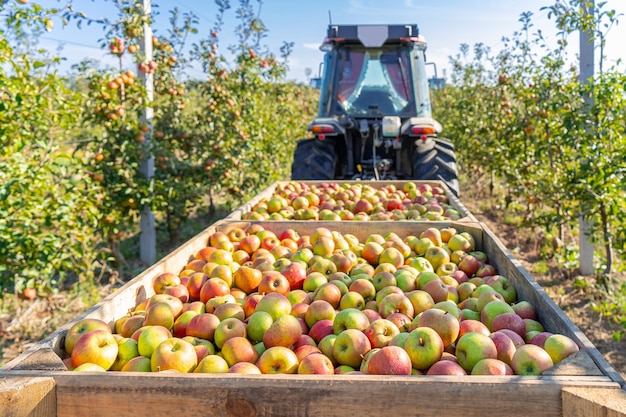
(314, 160)
(434, 159)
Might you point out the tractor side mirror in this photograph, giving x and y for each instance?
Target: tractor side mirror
(315, 83)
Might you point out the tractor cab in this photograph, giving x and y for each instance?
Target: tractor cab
(374, 110)
(374, 71)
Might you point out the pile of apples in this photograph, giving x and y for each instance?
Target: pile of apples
(257, 302)
(355, 201)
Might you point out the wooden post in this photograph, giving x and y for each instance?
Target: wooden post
(587, 62)
(147, 243)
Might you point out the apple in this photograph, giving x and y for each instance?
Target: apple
(516, 338)
(239, 349)
(313, 281)
(257, 324)
(470, 265)
(247, 278)
(444, 323)
(276, 304)
(424, 346)
(473, 347)
(78, 329)
(195, 283)
(160, 314)
(459, 242)
(319, 310)
(149, 338)
(89, 367)
(470, 325)
(560, 347)
(174, 354)
(433, 234)
(274, 281)
(421, 301)
(284, 331)
(321, 329)
(350, 318)
(201, 346)
(98, 347)
(330, 292)
(490, 366)
(130, 325)
(437, 256)
(533, 325)
(203, 326)
(165, 280)
(531, 360)
(509, 321)
(349, 347)
(212, 364)
(127, 350)
(352, 299)
(380, 332)
(504, 345)
(390, 360)
(446, 367)
(179, 291)
(278, 360)
(493, 309)
(295, 274)
(364, 287)
(231, 327)
(525, 310)
(316, 364)
(539, 338)
(396, 303)
(502, 285)
(137, 364)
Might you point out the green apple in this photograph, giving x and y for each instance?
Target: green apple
(350, 318)
(150, 337)
(257, 325)
(473, 347)
(424, 346)
(127, 349)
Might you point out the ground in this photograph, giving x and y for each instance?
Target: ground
(23, 322)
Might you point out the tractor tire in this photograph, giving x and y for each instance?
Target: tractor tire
(314, 160)
(434, 159)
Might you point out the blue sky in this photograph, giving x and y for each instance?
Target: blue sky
(445, 24)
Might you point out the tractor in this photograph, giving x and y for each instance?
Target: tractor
(374, 118)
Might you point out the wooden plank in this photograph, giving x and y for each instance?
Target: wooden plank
(593, 402)
(27, 397)
(308, 395)
(549, 314)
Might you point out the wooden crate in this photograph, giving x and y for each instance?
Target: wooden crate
(453, 200)
(59, 392)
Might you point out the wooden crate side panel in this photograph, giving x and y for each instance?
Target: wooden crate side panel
(549, 314)
(308, 395)
(593, 402)
(27, 397)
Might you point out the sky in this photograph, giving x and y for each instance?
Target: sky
(445, 24)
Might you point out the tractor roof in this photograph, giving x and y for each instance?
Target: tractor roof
(373, 35)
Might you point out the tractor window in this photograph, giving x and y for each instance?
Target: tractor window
(374, 83)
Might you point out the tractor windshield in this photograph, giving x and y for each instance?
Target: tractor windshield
(374, 83)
